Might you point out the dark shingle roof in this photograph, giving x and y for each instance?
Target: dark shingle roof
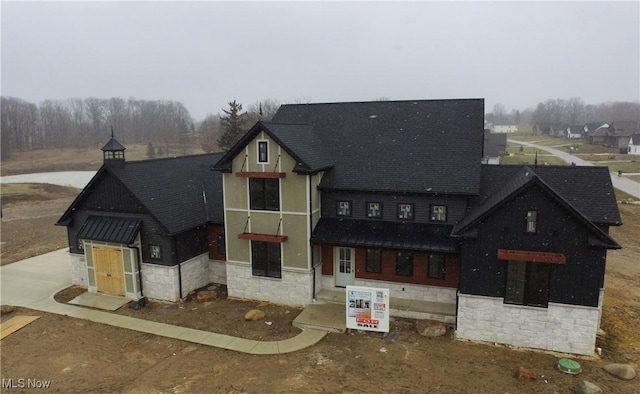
(587, 191)
(112, 145)
(628, 126)
(181, 193)
(495, 144)
(403, 146)
(385, 235)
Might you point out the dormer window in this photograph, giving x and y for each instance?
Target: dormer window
(263, 152)
(374, 210)
(532, 222)
(343, 208)
(438, 213)
(405, 211)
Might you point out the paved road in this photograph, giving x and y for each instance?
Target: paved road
(625, 184)
(77, 179)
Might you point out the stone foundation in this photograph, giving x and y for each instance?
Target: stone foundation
(294, 288)
(194, 273)
(217, 272)
(407, 291)
(160, 282)
(78, 270)
(559, 327)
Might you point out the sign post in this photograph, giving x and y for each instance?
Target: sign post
(367, 308)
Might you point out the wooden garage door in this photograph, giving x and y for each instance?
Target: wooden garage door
(109, 275)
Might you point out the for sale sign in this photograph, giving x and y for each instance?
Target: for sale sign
(368, 308)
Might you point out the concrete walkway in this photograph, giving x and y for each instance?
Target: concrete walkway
(626, 185)
(31, 283)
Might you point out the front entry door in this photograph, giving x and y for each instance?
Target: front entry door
(109, 272)
(345, 266)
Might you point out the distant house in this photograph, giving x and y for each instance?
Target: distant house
(386, 194)
(504, 128)
(575, 132)
(615, 135)
(551, 129)
(495, 146)
(634, 145)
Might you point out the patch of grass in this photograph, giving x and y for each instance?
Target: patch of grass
(85, 159)
(13, 192)
(543, 140)
(529, 159)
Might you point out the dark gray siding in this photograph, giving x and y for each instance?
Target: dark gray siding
(578, 282)
(111, 195)
(456, 206)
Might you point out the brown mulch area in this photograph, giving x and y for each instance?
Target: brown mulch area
(223, 315)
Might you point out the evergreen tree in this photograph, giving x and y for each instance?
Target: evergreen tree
(151, 152)
(232, 125)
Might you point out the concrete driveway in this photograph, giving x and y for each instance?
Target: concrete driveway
(33, 281)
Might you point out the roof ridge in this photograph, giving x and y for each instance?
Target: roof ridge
(381, 101)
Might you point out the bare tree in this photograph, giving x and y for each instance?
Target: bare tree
(262, 110)
(574, 110)
(209, 132)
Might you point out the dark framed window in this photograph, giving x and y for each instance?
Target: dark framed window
(436, 266)
(265, 259)
(264, 194)
(374, 210)
(438, 213)
(404, 263)
(263, 152)
(527, 283)
(222, 249)
(374, 261)
(343, 208)
(405, 211)
(532, 221)
(155, 252)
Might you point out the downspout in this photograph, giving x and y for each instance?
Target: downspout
(175, 252)
(313, 266)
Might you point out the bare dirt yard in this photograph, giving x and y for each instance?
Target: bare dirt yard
(78, 356)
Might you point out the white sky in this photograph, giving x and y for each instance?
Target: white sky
(206, 54)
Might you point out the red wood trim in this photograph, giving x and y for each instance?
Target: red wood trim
(263, 237)
(269, 175)
(535, 257)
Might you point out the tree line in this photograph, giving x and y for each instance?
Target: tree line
(80, 123)
(572, 111)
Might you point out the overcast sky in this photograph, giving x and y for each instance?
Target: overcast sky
(206, 54)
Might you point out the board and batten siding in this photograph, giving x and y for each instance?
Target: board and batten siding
(293, 218)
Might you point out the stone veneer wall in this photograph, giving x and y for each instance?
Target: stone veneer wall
(217, 272)
(559, 327)
(194, 273)
(413, 292)
(294, 288)
(403, 290)
(160, 282)
(78, 270)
